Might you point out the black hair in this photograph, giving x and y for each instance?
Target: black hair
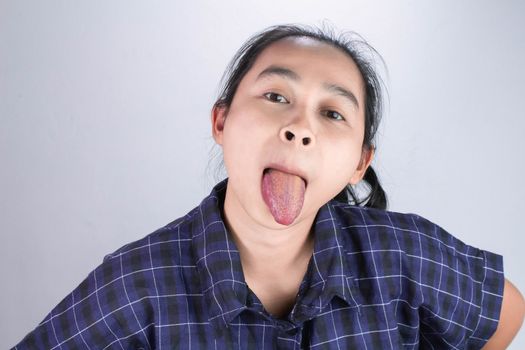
(357, 49)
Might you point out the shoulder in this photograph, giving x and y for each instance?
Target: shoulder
(408, 232)
(355, 216)
(426, 249)
(120, 297)
(165, 240)
(456, 288)
(158, 263)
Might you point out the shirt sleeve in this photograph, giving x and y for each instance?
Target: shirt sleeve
(461, 290)
(110, 309)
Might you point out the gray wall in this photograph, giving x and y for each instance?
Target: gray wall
(105, 132)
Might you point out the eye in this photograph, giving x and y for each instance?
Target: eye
(334, 115)
(272, 96)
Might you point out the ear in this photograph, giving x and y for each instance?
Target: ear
(366, 158)
(218, 118)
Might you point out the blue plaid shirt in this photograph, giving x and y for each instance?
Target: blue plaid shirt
(376, 280)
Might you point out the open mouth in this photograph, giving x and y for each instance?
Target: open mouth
(266, 170)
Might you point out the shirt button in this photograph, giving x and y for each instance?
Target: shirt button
(292, 331)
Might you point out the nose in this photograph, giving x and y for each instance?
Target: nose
(301, 136)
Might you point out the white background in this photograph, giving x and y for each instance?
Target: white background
(105, 135)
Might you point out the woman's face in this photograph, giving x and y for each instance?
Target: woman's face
(299, 87)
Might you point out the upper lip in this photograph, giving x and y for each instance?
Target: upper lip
(289, 170)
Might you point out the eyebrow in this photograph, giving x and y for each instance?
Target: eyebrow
(279, 71)
(287, 73)
(338, 90)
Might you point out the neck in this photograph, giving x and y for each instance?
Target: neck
(262, 247)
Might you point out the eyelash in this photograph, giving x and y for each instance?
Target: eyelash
(268, 94)
(274, 94)
(340, 115)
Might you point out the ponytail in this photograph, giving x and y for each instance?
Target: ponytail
(376, 197)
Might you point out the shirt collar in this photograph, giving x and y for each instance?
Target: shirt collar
(219, 265)
(218, 260)
(328, 273)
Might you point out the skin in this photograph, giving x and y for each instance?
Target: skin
(252, 133)
(511, 318)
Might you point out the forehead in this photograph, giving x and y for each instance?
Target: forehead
(310, 57)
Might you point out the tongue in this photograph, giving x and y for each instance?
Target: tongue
(283, 193)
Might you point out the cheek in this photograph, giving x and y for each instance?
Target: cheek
(345, 156)
(234, 140)
(238, 130)
(248, 123)
(242, 142)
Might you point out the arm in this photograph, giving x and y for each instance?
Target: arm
(511, 318)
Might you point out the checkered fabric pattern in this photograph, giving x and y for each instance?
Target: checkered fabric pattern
(376, 280)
